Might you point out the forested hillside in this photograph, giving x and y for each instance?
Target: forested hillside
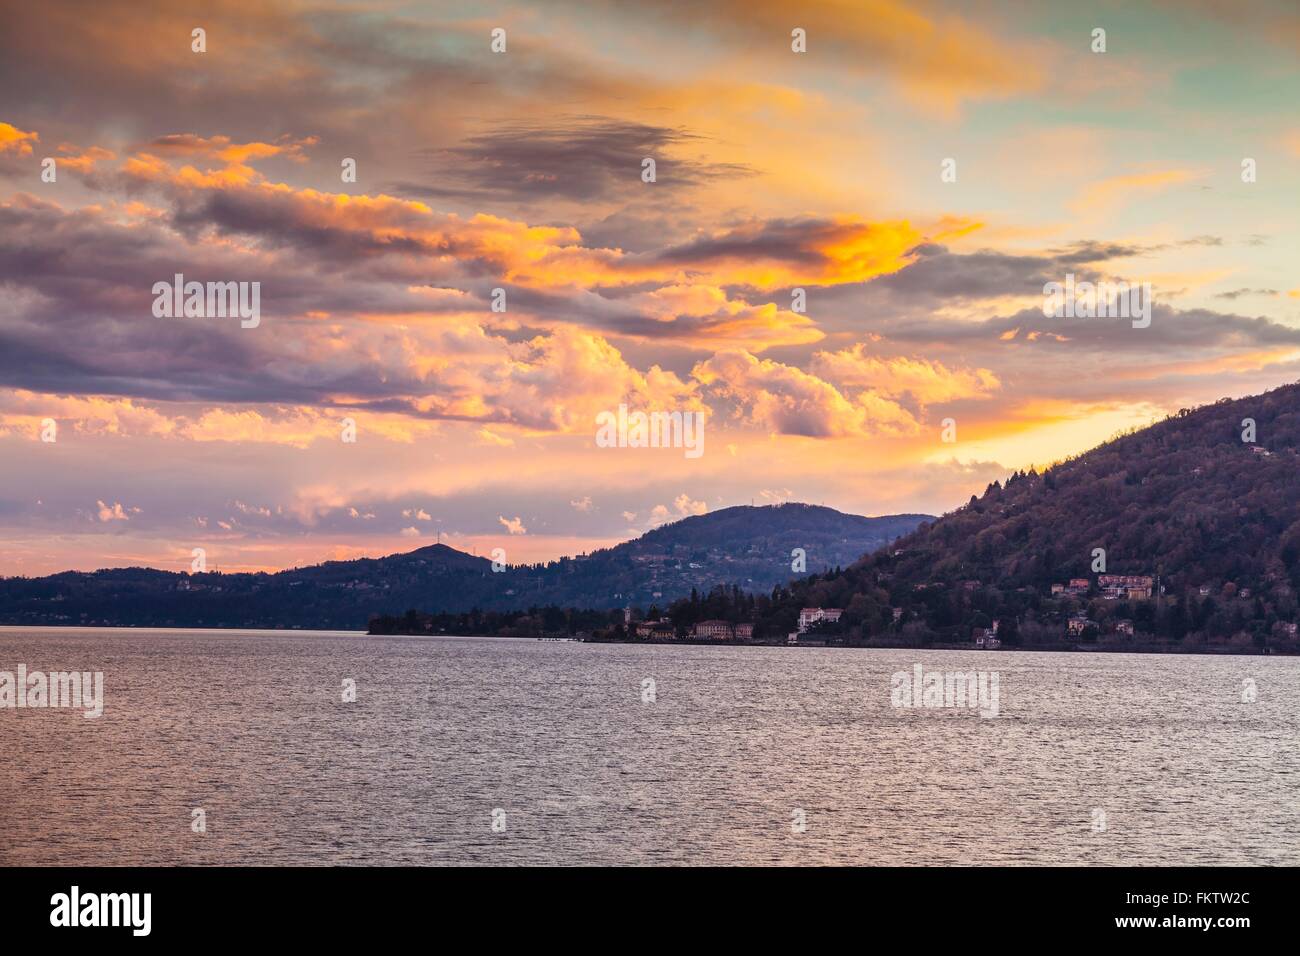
(1213, 518)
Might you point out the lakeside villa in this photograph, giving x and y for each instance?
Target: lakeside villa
(713, 630)
(810, 616)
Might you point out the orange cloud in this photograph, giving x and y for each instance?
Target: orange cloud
(703, 316)
(221, 148)
(555, 381)
(1241, 362)
(938, 60)
(786, 400)
(926, 381)
(765, 255)
(1104, 195)
(22, 411)
(83, 161)
(775, 255)
(14, 140)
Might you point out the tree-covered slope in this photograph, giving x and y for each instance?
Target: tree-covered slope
(1185, 500)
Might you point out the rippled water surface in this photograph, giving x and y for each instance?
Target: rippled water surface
(250, 727)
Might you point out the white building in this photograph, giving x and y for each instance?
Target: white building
(813, 615)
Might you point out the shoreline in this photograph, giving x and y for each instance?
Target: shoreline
(1154, 649)
(1027, 648)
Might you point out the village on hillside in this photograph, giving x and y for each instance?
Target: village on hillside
(1109, 611)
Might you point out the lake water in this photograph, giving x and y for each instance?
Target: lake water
(1093, 758)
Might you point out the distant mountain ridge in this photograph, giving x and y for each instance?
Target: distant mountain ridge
(745, 545)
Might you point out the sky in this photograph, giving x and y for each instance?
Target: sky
(919, 171)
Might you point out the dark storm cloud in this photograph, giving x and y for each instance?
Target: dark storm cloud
(643, 227)
(939, 273)
(1172, 333)
(591, 158)
(77, 317)
(901, 305)
(786, 240)
(1090, 251)
(122, 71)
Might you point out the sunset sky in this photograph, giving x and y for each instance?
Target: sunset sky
(522, 170)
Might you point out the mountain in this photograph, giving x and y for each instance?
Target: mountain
(1212, 518)
(745, 546)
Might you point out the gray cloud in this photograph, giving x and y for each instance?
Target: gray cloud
(590, 158)
(1240, 293)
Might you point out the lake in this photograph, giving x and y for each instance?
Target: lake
(498, 751)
